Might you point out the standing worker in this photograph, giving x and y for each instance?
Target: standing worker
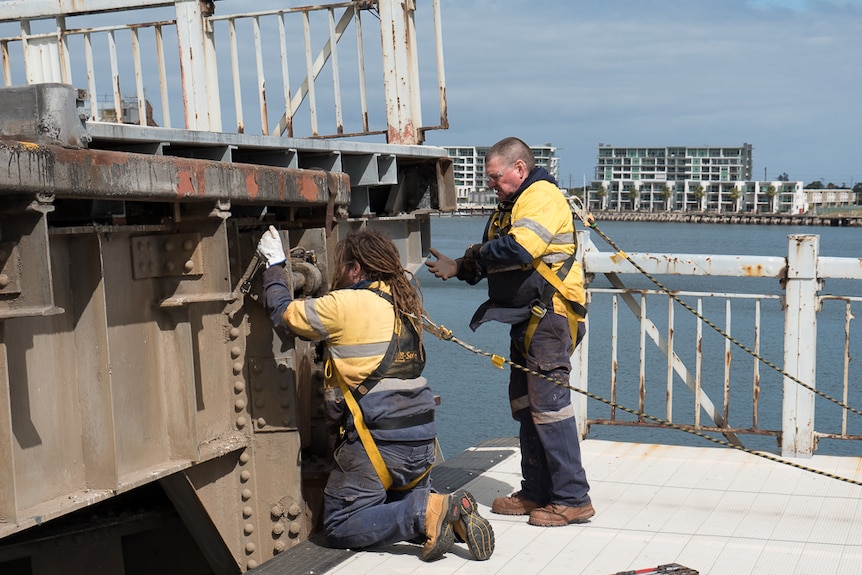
(536, 286)
(379, 491)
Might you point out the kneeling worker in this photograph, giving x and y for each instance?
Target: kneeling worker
(379, 491)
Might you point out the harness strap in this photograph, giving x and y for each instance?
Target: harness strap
(540, 307)
(393, 423)
(371, 447)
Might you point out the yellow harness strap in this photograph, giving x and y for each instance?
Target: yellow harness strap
(370, 446)
(539, 311)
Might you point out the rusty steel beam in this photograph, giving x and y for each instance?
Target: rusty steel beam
(27, 168)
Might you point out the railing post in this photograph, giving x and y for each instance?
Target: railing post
(198, 65)
(579, 376)
(400, 71)
(800, 345)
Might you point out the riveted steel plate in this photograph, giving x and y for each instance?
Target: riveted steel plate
(166, 256)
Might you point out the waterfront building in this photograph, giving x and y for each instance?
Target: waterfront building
(696, 178)
(471, 181)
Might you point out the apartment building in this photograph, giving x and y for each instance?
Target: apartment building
(693, 178)
(471, 181)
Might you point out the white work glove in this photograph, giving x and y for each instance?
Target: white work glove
(270, 248)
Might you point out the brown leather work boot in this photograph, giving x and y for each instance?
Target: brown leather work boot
(515, 504)
(556, 515)
(441, 512)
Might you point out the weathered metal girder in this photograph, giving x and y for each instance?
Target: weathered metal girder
(100, 174)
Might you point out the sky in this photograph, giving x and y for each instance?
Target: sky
(782, 75)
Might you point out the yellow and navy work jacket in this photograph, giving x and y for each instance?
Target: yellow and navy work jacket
(359, 326)
(537, 223)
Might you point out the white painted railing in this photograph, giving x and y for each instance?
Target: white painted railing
(144, 61)
(729, 391)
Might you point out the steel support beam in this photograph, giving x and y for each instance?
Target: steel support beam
(108, 175)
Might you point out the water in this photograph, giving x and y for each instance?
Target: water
(474, 392)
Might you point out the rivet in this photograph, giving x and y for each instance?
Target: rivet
(241, 422)
(246, 511)
(261, 422)
(286, 422)
(4, 280)
(239, 386)
(239, 405)
(258, 368)
(249, 528)
(259, 402)
(234, 332)
(246, 494)
(188, 245)
(282, 366)
(170, 266)
(250, 547)
(169, 246)
(276, 511)
(294, 528)
(277, 529)
(283, 384)
(235, 351)
(252, 563)
(285, 402)
(294, 510)
(245, 475)
(189, 265)
(237, 368)
(244, 457)
(279, 547)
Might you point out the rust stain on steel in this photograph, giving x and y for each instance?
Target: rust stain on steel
(83, 173)
(754, 271)
(251, 187)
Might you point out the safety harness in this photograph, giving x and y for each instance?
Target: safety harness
(539, 307)
(353, 396)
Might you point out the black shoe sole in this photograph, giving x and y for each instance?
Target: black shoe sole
(474, 529)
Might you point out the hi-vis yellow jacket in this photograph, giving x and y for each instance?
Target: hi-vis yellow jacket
(358, 326)
(537, 224)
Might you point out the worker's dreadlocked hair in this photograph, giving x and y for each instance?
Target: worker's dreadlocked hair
(378, 257)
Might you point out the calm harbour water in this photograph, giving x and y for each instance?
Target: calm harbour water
(474, 392)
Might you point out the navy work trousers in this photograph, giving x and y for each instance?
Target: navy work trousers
(358, 512)
(550, 451)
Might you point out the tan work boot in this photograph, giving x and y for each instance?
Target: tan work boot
(515, 504)
(472, 528)
(556, 515)
(441, 512)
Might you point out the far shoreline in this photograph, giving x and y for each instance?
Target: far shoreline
(832, 220)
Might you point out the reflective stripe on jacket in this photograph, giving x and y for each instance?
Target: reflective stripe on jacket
(540, 224)
(358, 326)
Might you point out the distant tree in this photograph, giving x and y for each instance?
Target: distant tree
(784, 177)
(815, 185)
(634, 196)
(735, 194)
(601, 192)
(771, 193)
(699, 193)
(857, 189)
(666, 194)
